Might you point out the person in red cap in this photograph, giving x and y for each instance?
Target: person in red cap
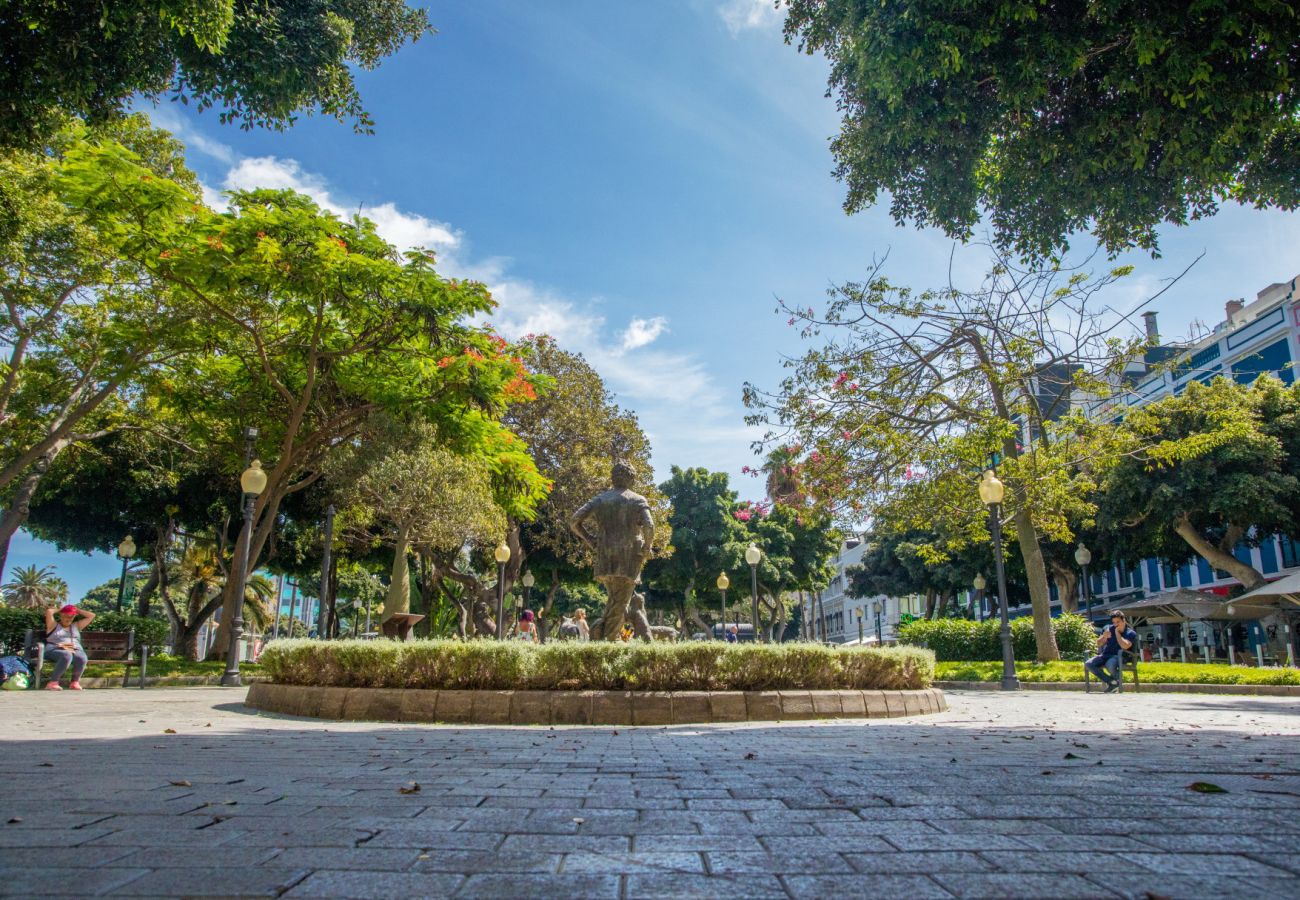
(63, 644)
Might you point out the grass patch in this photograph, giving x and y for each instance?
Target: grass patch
(1151, 673)
(163, 665)
(569, 665)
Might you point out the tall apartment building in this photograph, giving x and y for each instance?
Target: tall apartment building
(840, 612)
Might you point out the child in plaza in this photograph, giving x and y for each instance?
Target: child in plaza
(63, 644)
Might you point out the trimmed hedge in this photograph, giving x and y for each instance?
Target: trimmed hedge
(1148, 673)
(15, 622)
(569, 665)
(966, 640)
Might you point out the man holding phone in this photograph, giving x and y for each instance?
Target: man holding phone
(1113, 640)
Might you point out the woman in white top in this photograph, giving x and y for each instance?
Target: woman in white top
(63, 644)
(584, 631)
(527, 627)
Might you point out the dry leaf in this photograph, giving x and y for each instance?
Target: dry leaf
(169, 731)
(412, 788)
(750, 755)
(181, 782)
(15, 820)
(1204, 787)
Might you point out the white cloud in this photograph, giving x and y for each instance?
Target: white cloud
(640, 332)
(744, 15)
(404, 230)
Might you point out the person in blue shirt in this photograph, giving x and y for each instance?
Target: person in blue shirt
(1114, 638)
(733, 634)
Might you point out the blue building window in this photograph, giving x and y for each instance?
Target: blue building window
(1290, 552)
(1275, 358)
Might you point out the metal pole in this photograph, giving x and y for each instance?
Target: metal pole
(293, 605)
(1009, 680)
(1087, 594)
(880, 638)
(723, 635)
(367, 615)
(325, 571)
(501, 601)
(230, 678)
(121, 585)
(860, 628)
(753, 583)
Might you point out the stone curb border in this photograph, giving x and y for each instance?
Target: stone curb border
(587, 707)
(1257, 690)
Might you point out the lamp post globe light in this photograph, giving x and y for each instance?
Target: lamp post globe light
(877, 607)
(252, 482)
(125, 551)
(991, 492)
(502, 555)
(1083, 556)
(723, 583)
(754, 556)
(980, 583)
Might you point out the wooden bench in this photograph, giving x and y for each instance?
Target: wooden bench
(111, 647)
(1128, 659)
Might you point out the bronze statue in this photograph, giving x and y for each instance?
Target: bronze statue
(621, 545)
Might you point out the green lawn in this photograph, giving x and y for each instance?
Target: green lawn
(1153, 672)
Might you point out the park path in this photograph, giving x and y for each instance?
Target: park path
(185, 792)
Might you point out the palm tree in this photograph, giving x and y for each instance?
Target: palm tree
(258, 595)
(202, 574)
(34, 588)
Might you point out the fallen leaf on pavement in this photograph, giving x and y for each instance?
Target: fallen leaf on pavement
(181, 782)
(169, 731)
(1204, 787)
(15, 820)
(412, 788)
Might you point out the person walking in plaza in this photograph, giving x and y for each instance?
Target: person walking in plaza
(527, 627)
(1113, 640)
(584, 630)
(63, 644)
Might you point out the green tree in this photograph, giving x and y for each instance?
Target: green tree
(260, 62)
(707, 540)
(937, 385)
(1211, 468)
(34, 588)
(1053, 118)
(798, 544)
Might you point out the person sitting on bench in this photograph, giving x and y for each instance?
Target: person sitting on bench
(1114, 639)
(63, 644)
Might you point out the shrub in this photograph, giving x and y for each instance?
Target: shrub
(965, 640)
(13, 626)
(695, 666)
(147, 631)
(1149, 673)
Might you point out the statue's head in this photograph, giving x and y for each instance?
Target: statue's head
(622, 476)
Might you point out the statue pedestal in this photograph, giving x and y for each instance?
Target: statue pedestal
(398, 627)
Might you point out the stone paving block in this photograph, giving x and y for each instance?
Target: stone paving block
(379, 885)
(38, 856)
(918, 841)
(852, 705)
(796, 705)
(661, 860)
(436, 840)
(227, 881)
(359, 858)
(735, 843)
(612, 708)
(722, 862)
(691, 707)
(178, 836)
(658, 885)
(530, 708)
(893, 862)
(877, 708)
(1204, 864)
(331, 703)
(455, 706)
(419, 706)
(826, 704)
(727, 706)
(572, 707)
(187, 857)
(1194, 887)
(41, 881)
(471, 862)
(819, 887)
(1082, 862)
(763, 706)
(581, 884)
(652, 708)
(567, 843)
(978, 885)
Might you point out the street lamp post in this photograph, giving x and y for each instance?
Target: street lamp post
(877, 607)
(252, 482)
(125, 551)
(356, 617)
(980, 584)
(859, 612)
(502, 554)
(723, 583)
(1083, 556)
(325, 571)
(753, 556)
(991, 492)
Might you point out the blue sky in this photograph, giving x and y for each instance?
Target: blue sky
(642, 180)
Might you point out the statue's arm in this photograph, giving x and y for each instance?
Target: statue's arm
(648, 531)
(576, 526)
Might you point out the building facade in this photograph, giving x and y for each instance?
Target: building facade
(838, 618)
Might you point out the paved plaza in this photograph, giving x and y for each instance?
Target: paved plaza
(185, 792)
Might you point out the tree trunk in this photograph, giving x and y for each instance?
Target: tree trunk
(1249, 577)
(930, 595)
(15, 515)
(543, 623)
(399, 584)
(1067, 586)
(1040, 599)
(153, 583)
